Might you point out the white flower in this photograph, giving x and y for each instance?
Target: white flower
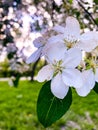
(58, 2)
(89, 79)
(71, 37)
(11, 48)
(38, 43)
(89, 73)
(61, 70)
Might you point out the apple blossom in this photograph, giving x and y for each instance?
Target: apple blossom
(89, 80)
(88, 83)
(65, 55)
(38, 43)
(61, 70)
(71, 37)
(89, 75)
(72, 61)
(11, 48)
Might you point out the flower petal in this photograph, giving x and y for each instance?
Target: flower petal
(88, 41)
(89, 78)
(59, 29)
(58, 88)
(88, 83)
(96, 75)
(46, 73)
(83, 91)
(72, 78)
(55, 39)
(38, 42)
(72, 27)
(55, 52)
(72, 58)
(34, 57)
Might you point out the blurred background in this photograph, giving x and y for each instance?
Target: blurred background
(21, 21)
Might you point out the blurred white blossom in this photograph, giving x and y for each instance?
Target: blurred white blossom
(11, 48)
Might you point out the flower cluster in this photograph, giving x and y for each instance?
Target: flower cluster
(72, 59)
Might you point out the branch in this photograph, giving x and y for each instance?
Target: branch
(94, 21)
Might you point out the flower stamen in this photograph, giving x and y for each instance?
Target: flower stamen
(70, 41)
(58, 67)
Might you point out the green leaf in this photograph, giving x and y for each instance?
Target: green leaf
(96, 20)
(96, 1)
(70, 1)
(96, 88)
(50, 108)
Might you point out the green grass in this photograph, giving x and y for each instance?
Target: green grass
(18, 109)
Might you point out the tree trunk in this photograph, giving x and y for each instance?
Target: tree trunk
(33, 70)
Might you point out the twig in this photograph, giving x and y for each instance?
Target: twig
(94, 21)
